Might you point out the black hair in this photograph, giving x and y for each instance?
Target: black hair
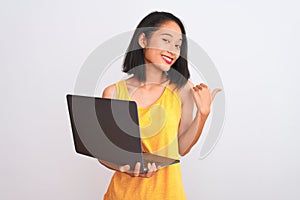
(134, 62)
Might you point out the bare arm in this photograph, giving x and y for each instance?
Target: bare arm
(190, 129)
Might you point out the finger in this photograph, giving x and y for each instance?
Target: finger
(124, 168)
(150, 170)
(199, 87)
(215, 91)
(149, 166)
(154, 167)
(158, 167)
(136, 171)
(203, 85)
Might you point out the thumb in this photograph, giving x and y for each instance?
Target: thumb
(214, 92)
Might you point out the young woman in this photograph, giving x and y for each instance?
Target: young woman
(157, 59)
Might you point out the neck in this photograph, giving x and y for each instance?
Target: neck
(154, 75)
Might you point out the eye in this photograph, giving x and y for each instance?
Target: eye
(178, 46)
(166, 40)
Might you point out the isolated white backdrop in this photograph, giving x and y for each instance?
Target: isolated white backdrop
(254, 45)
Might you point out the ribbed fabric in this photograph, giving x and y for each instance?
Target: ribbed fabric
(159, 127)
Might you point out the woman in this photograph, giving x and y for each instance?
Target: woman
(157, 59)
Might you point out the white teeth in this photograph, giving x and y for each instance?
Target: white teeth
(168, 59)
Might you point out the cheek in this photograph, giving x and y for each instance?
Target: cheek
(151, 52)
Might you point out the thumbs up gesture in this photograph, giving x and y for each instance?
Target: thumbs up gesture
(203, 97)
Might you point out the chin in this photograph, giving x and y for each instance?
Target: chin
(165, 68)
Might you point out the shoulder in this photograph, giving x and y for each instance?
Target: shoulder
(186, 92)
(109, 91)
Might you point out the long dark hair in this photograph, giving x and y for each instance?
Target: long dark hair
(134, 62)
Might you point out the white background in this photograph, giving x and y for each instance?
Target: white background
(254, 45)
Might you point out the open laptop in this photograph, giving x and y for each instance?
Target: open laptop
(108, 129)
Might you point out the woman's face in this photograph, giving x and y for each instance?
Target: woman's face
(163, 47)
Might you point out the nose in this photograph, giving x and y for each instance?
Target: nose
(172, 50)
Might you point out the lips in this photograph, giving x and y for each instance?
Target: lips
(167, 59)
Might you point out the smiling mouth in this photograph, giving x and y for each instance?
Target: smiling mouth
(167, 59)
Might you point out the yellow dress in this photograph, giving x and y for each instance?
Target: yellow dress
(159, 127)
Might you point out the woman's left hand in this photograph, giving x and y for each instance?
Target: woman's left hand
(203, 98)
(152, 169)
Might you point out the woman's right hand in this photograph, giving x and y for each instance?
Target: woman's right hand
(152, 169)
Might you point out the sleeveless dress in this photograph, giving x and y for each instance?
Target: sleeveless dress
(158, 127)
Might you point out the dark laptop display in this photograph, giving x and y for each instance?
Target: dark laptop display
(108, 129)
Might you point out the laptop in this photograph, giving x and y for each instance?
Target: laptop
(108, 129)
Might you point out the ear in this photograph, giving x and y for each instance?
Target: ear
(142, 40)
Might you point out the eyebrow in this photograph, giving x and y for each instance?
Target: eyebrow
(168, 34)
